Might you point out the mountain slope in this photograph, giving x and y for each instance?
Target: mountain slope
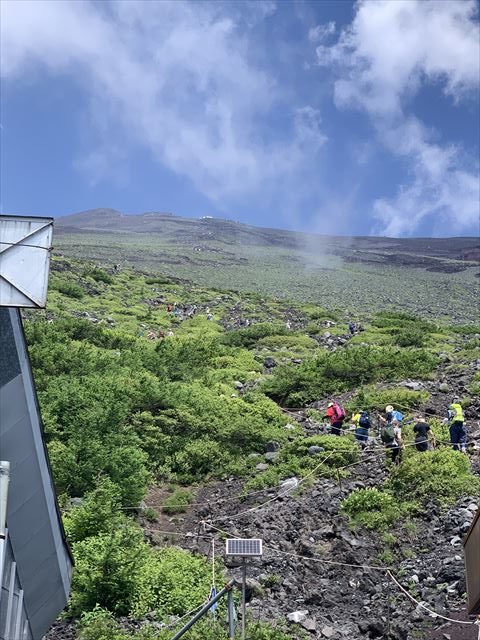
(435, 277)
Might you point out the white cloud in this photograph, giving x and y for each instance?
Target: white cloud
(383, 58)
(177, 77)
(307, 126)
(321, 32)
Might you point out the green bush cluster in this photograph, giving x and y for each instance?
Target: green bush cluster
(373, 399)
(401, 321)
(99, 275)
(375, 509)
(69, 289)
(178, 501)
(117, 570)
(100, 624)
(339, 371)
(294, 460)
(443, 475)
(248, 336)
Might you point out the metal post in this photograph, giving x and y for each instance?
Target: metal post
(231, 615)
(4, 481)
(18, 621)
(388, 608)
(204, 610)
(11, 589)
(244, 589)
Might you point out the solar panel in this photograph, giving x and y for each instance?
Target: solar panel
(245, 547)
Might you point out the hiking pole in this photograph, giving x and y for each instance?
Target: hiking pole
(204, 610)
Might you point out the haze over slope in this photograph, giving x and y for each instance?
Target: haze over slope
(428, 275)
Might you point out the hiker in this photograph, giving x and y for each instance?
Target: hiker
(362, 422)
(456, 421)
(351, 327)
(423, 435)
(391, 432)
(336, 414)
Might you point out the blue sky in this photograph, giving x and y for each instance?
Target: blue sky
(328, 116)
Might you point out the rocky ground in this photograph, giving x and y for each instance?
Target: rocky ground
(304, 536)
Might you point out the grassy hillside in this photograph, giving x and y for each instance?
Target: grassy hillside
(431, 277)
(142, 402)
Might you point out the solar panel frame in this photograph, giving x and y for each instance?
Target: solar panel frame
(244, 547)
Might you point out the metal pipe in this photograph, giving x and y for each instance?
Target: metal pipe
(204, 610)
(4, 482)
(244, 597)
(231, 615)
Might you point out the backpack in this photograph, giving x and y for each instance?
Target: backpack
(388, 434)
(397, 416)
(364, 420)
(339, 411)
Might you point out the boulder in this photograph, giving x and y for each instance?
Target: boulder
(269, 362)
(271, 456)
(314, 449)
(288, 485)
(297, 616)
(271, 445)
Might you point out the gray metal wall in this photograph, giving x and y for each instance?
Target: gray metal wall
(13, 616)
(35, 532)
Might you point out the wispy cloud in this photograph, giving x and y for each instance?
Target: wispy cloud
(387, 54)
(176, 77)
(321, 32)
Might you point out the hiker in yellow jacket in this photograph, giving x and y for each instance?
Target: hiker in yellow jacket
(456, 421)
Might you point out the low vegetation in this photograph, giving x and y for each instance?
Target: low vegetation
(133, 395)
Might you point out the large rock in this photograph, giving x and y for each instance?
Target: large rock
(297, 616)
(269, 362)
(271, 445)
(271, 456)
(314, 449)
(288, 485)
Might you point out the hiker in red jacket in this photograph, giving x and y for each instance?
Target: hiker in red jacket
(336, 414)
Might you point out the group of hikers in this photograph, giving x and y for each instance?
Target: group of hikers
(391, 424)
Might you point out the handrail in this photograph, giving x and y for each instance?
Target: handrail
(228, 587)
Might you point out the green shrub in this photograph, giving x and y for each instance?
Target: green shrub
(158, 280)
(374, 509)
(372, 399)
(336, 372)
(292, 342)
(69, 289)
(410, 338)
(178, 501)
(99, 275)
(99, 624)
(465, 329)
(98, 514)
(172, 582)
(294, 460)
(401, 320)
(443, 475)
(248, 336)
(339, 450)
(107, 570)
